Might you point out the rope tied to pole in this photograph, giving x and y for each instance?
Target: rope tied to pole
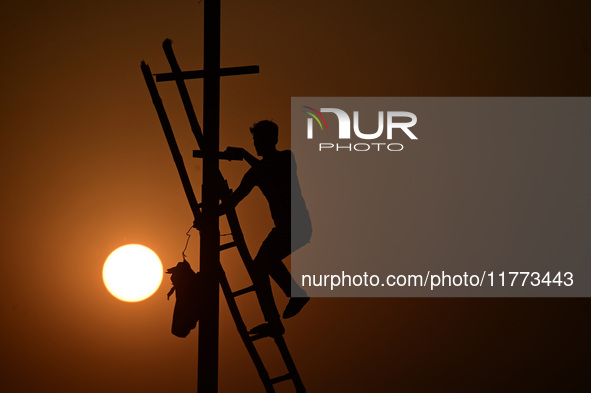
(187, 243)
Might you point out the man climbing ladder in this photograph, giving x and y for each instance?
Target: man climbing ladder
(217, 189)
(276, 175)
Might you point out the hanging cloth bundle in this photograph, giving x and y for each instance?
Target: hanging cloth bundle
(187, 285)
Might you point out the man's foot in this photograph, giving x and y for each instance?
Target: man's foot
(294, 306)
(266, 329)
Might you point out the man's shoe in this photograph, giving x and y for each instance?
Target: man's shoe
(294, 306)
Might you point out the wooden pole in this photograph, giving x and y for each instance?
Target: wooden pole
(208, 359)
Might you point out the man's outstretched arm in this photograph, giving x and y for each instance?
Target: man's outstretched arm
(245, 187)
(244, 154)
(250, 158)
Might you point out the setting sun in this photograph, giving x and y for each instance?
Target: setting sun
(132, 273)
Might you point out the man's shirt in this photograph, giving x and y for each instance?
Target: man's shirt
(276, 176)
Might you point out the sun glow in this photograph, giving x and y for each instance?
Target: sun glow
(132, 273)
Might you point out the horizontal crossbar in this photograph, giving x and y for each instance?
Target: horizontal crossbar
(222, 155)
(281, 378)
(169, 76)
(243, 291)
(227, 245)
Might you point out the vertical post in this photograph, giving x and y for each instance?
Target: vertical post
(207, 370)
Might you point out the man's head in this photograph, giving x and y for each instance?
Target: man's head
(264, 134)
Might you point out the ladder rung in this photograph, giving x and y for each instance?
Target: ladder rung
(243, 291)
(281, 378)
(258, 337)
(227, 245)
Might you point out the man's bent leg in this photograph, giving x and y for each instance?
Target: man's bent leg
(261, 264)
(268, 261)
(279, 245)
(299, 298)
(281, 275)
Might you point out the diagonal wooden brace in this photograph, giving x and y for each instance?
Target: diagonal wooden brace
(174, 149)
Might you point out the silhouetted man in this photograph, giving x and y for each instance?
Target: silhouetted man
(275, 174)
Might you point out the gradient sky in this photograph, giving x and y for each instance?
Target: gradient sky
(85, 169)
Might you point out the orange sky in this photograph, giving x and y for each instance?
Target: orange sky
(85, 169)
